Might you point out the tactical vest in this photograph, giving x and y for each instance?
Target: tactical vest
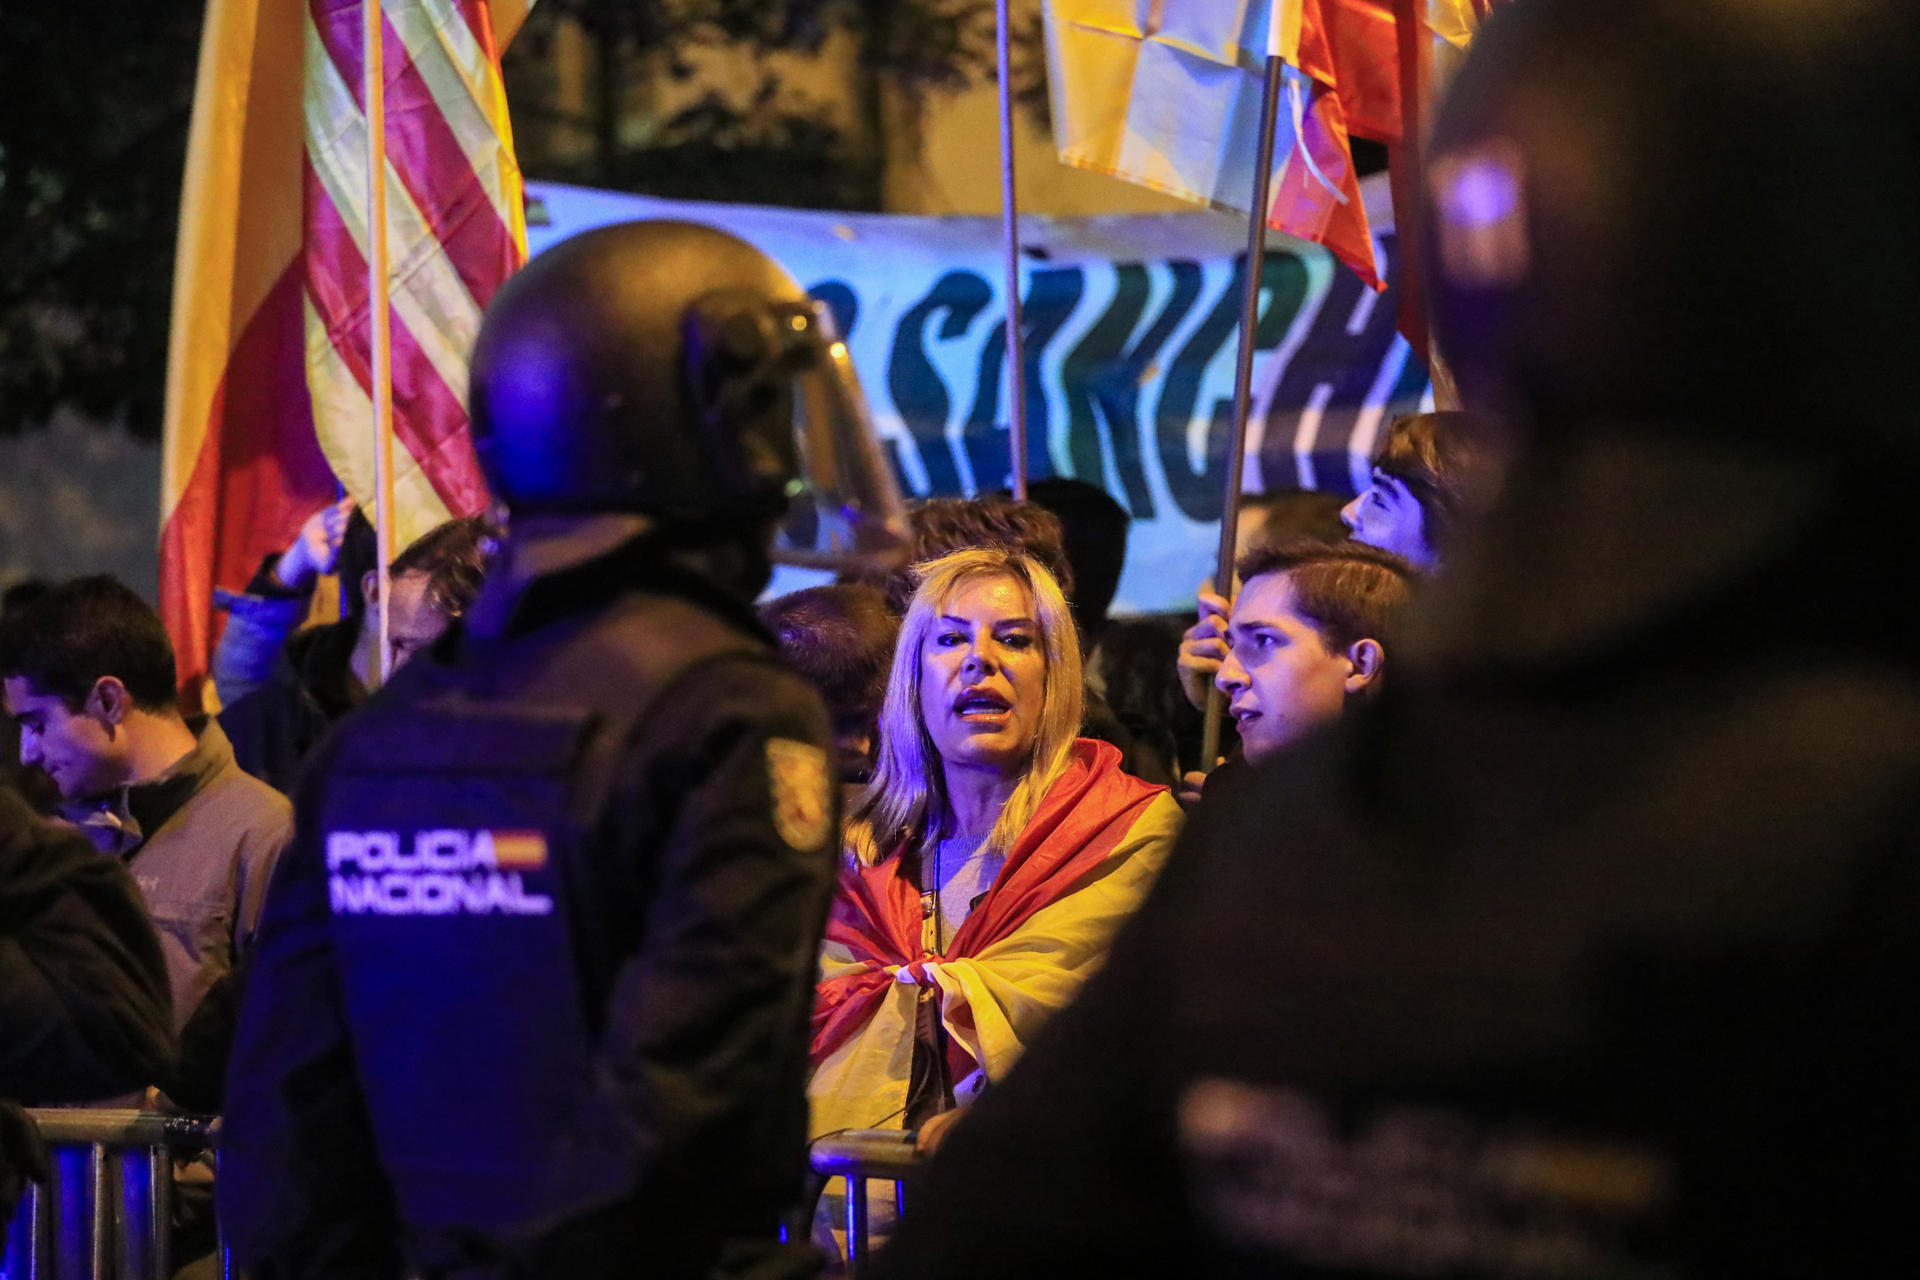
(462, 833)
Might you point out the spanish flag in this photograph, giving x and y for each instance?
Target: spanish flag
(517, 850)
(1168, 95)
(268, 400)
(1081, 867)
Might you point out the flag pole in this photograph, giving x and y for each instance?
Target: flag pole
(1243, 364)
(380, 337)
(1010, 225)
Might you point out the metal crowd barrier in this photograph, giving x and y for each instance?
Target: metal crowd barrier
(883, 1155)
(107, 1209)
(106, 1212)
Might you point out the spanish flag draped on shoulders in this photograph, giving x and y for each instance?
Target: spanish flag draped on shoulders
(1076, 872)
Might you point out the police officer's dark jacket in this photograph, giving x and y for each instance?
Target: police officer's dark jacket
(533, 988)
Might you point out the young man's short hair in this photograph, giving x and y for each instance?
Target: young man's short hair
(82, 630)
(1443, 460)
(454, 556)
(1284, 514)
(1349, 591)
(23, 593)
(840, 639)
(942, 526)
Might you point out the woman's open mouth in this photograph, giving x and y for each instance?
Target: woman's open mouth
(981, 706)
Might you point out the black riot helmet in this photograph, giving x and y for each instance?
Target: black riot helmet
(674, 371)
(1699, 217)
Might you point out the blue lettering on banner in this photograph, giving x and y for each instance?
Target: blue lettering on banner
(1129, 332)
(1052, 296)
(919, 395)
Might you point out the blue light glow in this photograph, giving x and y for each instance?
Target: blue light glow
(1482, 193)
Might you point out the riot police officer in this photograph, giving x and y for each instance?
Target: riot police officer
(1590, 950)
(533, 992)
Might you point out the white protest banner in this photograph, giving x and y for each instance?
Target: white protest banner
(1131, 324)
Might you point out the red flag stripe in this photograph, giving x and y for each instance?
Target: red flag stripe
(258, 474)
(1303, 206)
(1352, 46)
(433, 167)
(428, 420)
(424, 152)
(479, 20)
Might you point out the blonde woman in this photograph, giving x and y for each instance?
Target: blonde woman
(989, 861)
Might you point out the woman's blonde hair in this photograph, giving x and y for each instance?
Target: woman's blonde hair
(908, 794)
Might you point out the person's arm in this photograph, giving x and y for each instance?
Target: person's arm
(257, 629)
(315, 551)
(84, 1006)
(301, 1189)
(708, 1022)
(260, 619)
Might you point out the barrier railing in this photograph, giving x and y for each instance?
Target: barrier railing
(857, 1155)
(106, 1212)
(107, 1209)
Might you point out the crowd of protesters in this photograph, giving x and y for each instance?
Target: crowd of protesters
(997, 758)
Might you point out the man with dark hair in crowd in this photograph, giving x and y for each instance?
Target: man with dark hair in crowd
(1437, 470)
(1309, 636)
(84, 1010)
(840, 639)
(89, 678)
(323, 672)
(1590, 949)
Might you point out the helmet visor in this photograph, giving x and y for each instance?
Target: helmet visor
(845, 512)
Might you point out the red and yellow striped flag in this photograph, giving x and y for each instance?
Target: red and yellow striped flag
(268, 395)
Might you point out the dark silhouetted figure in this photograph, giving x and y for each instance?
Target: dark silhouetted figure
(1590, 949)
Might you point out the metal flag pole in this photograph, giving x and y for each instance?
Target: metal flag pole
(1243, 365)
(380, 336)
(1010, 223)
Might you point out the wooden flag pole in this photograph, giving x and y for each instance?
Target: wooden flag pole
(1010, 223)
(1243, 365)
(380, 335)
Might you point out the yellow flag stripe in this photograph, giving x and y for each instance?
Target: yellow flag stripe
(243, 140)
(339, 398)
(465, 87)
(428, 294)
